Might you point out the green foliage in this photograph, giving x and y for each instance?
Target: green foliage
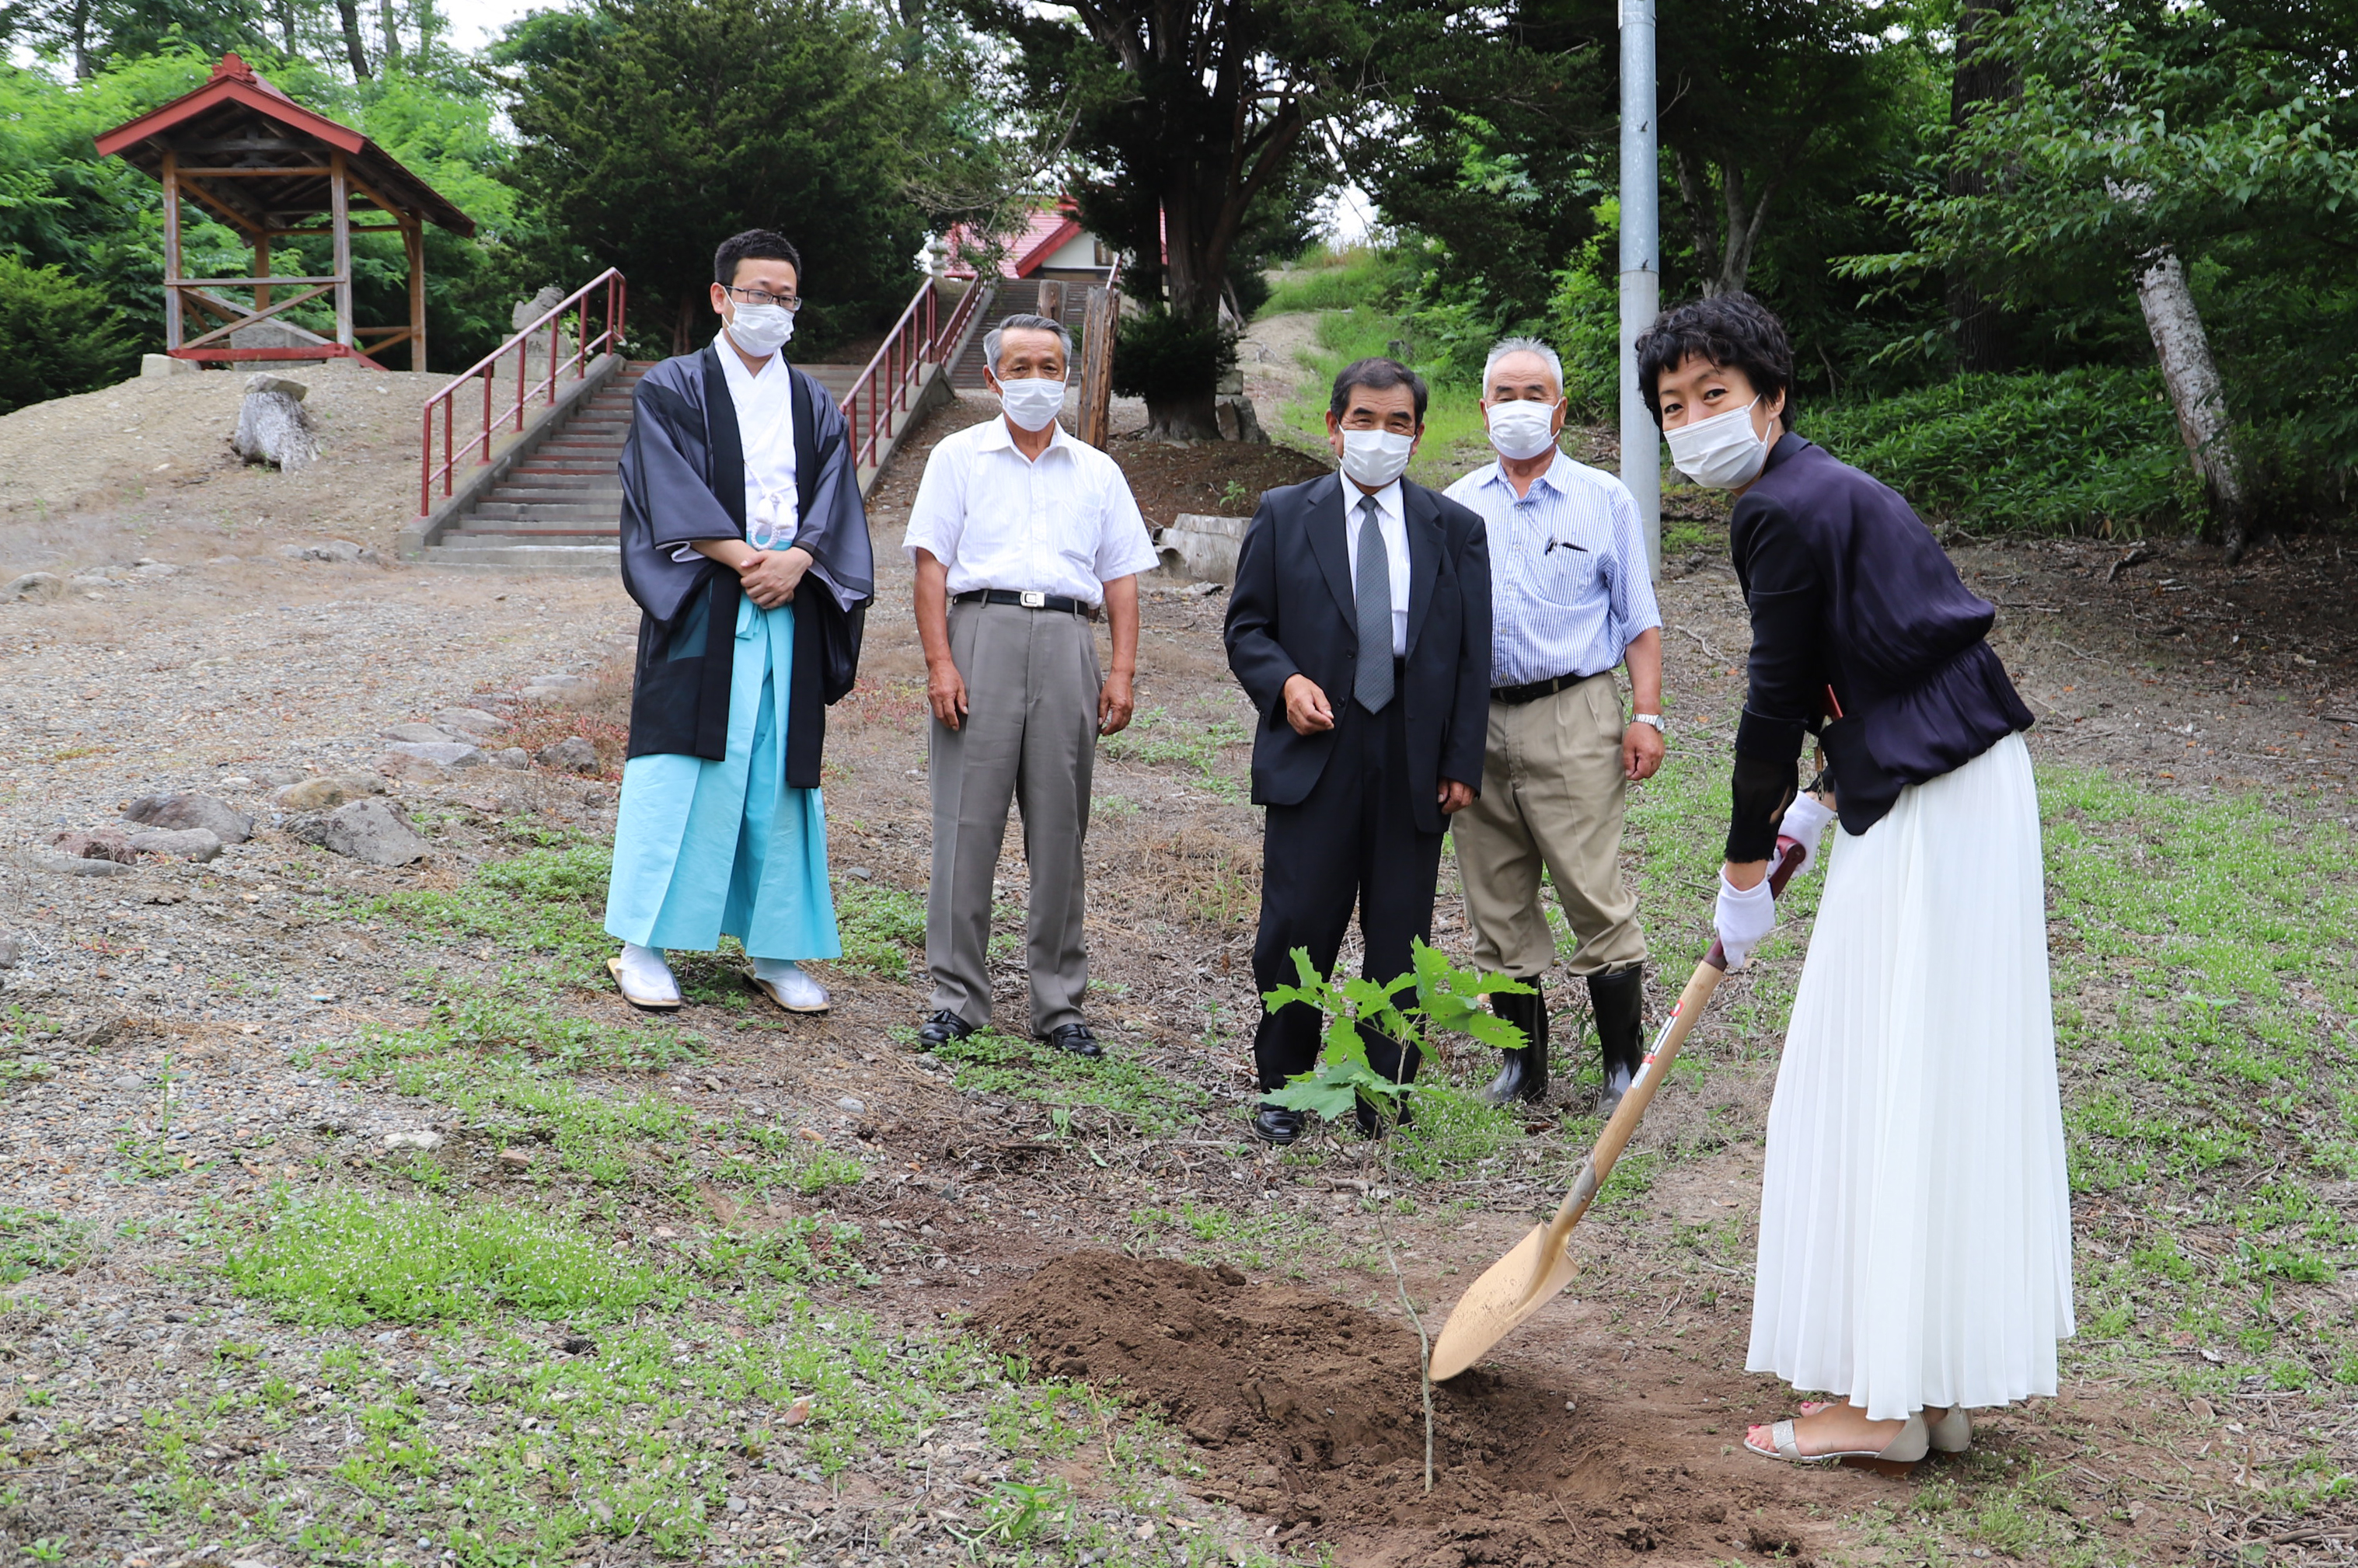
(653, 129)
(2082, 451)
(350, 1259)
(880, 926)
(56, 336)
(1374, 276)
(545, 901)
(1445, 997)
(990, 1063)
(1164, 357)
(37, 1241)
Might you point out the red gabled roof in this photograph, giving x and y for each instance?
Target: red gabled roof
(234, 87)
(1044, 231)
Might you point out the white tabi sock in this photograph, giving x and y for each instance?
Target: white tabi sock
(647, 973)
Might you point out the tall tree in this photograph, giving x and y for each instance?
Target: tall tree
(2146, 136)
(1978, 77)
(652, 129)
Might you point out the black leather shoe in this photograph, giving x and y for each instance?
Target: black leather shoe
(1524, 1075)
(1075, 1038)
(942, 1029)
(1275, 1124)
(1618, 1000)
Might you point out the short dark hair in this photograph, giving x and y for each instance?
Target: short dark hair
(758, 245)
(1377, 375)
(1733, 331)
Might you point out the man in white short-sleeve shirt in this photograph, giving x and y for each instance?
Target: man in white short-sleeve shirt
(1021, 537)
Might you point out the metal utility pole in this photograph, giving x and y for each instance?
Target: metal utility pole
(1641, 268)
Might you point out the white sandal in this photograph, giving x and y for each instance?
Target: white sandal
(1898, 1457)
(645, 1001)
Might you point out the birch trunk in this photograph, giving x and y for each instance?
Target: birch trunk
(2192, 378)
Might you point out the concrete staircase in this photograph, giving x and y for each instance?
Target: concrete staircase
(1016, 297)
(558, 506)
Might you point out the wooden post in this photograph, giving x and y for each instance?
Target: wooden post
(1098, 328)
(261, 269)
(171, 251)
(413, 240)
(340, 221)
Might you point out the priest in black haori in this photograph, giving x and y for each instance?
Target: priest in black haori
(745, 544)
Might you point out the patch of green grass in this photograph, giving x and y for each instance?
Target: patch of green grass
(881, 927)
(36, 1241)
(467, 1019)
(1361, 275)
(350, 1258)
(777, 1158)
(545, 901)
(1158, 736)
(1206, 1233)
(987, 1062)
(1453, 1133)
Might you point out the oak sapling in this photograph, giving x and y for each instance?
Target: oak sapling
(1446, 996)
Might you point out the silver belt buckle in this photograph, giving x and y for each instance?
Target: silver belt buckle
(1033, 600)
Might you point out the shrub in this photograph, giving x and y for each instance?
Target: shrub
(2083, 451)
(1165, 358)
(58, 336)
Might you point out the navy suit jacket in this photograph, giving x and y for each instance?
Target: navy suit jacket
(1293, 612)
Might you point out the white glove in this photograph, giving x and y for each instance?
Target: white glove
(1804, 820)
(1744, 919)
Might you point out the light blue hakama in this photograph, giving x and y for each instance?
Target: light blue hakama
(704, 849)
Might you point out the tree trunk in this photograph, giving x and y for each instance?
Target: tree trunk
(391, 30)
(1745, 217)
(354, 50)
(683, 326)
(82, 40)
(1981, 326)
(287, 27)
(2192, 378)
(1706, 245)
(1195, 418)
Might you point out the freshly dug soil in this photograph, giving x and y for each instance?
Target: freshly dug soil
(1307, 1413)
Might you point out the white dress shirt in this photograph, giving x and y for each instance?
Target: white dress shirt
(1065, 524)
(765, 429)
(1570, 587)
(1392, 521)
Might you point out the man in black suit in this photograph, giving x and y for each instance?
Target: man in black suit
(1361, 628)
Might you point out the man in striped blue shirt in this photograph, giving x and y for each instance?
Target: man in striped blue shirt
(1573, 599)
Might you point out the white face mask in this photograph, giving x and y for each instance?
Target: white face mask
(760, 330)
(1723, 452)
(1521, 428)
(1032, 402)
(1375, 457)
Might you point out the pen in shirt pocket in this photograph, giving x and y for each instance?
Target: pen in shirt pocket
(1553, 544)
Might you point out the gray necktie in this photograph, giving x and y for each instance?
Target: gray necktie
(1373, 685)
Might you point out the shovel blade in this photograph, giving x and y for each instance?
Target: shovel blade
(1509, 1292)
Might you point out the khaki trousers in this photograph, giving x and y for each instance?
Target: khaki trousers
(1030, 737)
(1553, 791)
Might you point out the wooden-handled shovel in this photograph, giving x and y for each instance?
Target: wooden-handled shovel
(1531, 1276)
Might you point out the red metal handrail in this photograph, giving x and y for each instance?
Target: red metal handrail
(897, 363)
(608, 340)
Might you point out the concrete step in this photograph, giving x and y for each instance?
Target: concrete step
(491, 536)
(604, 561)
(547, 516)
(527, 495)
(567, 484)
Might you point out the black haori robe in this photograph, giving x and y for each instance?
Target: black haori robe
(683, 480)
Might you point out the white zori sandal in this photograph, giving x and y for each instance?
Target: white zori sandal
(644, 978)
(1898, 1457)
(784, 982)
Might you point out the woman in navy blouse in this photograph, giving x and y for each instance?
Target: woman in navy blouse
(1915, 1254)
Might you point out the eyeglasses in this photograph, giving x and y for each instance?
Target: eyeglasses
(787, 302)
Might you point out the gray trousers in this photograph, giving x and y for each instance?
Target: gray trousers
(1029, 736)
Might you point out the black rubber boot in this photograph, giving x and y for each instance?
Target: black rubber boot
(1618, 998)
(1524, 1075)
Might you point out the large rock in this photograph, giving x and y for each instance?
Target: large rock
(330, 550)
(101, 844)
(514, 757)
(559, 688)
(366, 830)
(318, 794)
(154, 366)
(470, 721)
(273, 425)
(420, 732)
(181, 843)
(34, 585)
(186, 811)
(11, 949)
(571, 755)
(449, 753)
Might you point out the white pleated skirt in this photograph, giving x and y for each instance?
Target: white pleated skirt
(1915, 1213)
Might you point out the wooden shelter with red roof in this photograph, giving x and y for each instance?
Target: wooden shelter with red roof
(268, 168)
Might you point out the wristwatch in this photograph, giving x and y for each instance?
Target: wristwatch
(1652, 721)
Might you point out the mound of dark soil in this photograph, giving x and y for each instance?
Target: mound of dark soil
(1308, 1414)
